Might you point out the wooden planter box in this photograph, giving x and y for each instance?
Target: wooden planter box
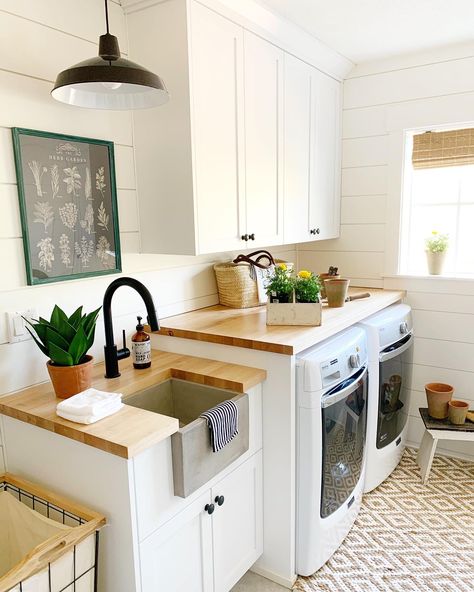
(294, 313)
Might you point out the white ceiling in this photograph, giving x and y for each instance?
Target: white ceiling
(365, 30)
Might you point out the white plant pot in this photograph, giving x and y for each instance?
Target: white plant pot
(435, 262)
(294, 313)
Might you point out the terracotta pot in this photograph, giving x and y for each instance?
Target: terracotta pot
(435, 262)
(438, 396)
(336, 291)
(70, 380)
(457, 411)
(326, 276)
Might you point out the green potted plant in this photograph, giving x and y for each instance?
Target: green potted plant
(436, 246)
(66, 341)
(281, 286)
(307, 286)
(282, 309)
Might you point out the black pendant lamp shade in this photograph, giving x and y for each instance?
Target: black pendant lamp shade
(109, 81)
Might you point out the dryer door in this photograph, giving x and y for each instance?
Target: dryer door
(344, 414)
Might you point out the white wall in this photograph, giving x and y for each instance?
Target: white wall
(37, 40)
(380, 101)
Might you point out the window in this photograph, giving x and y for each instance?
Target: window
(438, 195)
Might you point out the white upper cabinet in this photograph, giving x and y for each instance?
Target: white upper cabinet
(325, 171)
(312, 153)
(246, 152)
(217, 90)
(298, 137)
(263, 88)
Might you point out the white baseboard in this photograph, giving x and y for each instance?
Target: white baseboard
(285, 582)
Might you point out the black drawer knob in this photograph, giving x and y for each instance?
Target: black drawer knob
(252, 236)
(219, 500)
(209, 508)
(314, 231)
(245, 237)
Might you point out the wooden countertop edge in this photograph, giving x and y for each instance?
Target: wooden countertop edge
(37, 405)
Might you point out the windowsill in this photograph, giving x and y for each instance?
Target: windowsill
(419, 276)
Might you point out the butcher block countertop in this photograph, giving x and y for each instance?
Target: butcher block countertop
(247, 327)
(131, 430)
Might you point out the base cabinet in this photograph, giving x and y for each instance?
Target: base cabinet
(198, 551)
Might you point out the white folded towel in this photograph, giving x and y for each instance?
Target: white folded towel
(87, 419)
(89, 402)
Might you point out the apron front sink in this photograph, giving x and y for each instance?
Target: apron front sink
(194, 462)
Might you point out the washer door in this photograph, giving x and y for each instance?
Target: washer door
(344, 415)
(394, 370)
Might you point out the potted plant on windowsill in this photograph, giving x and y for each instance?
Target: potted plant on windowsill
(436, 246)
(301, 306)
(66, 341)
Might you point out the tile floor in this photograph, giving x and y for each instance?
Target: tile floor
(252, 582)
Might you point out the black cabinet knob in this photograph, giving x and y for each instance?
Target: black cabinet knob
(219, 500)
(245, 237)
(317, 230)
(209, 508)
(252, 236)
(314, 231)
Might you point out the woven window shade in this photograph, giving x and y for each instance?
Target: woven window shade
(442, 149)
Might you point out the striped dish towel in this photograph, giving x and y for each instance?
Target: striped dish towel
(223, 423)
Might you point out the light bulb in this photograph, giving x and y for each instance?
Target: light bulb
(111, 85)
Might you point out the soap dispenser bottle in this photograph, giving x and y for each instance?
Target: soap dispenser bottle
(141, 347)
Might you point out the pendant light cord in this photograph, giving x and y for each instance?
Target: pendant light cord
(107, 16)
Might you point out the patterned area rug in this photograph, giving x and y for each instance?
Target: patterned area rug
(408, 537)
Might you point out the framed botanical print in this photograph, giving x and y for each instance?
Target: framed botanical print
(68, 206)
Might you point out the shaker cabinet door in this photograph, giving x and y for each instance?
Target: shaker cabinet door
(325, 167)
(297, 153)
(237, 524)
(263, 65)
(216, 81)
(178, 556)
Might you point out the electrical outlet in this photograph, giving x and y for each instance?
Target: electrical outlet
(16, 326)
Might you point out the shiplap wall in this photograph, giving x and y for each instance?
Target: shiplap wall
(37, 40)
(380, 101)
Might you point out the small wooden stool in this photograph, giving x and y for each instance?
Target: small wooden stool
(438, 429)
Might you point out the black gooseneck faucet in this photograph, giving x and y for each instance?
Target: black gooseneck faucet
(112, 354)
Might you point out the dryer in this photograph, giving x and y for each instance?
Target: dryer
(331, 387)
(390, 343)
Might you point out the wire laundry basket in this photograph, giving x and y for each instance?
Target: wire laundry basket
(65, 562)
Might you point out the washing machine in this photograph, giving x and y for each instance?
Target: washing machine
(390, 345)
(331, 387)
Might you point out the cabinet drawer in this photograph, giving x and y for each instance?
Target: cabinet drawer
(153, 474)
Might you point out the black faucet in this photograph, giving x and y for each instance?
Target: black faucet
(112, 354)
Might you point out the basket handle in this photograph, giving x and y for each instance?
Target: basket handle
(259, 255)
(47, 552)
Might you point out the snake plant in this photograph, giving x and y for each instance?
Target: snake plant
(65, 340)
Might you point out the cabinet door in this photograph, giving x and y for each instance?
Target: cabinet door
(237, 525)
(325, 163)
(263, 65)
(297, 153)
(216, 73)
(178, 556)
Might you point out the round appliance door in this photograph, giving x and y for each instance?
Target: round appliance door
(395, 366)
(344, 418)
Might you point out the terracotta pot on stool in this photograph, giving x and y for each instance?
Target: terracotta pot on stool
(457, 412)
(438, 396)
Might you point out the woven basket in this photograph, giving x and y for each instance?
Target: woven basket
(235, 286)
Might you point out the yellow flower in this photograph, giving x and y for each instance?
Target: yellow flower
(304, 274)
(282, 266)
(434, 232)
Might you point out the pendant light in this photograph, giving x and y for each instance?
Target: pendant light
(109, 81)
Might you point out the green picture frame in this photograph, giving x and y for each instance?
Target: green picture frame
(68, 206)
